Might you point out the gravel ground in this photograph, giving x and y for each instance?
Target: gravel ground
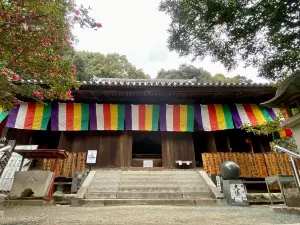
(144, 215)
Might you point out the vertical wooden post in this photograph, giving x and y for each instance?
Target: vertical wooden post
(289, 111)
(211, 142)
(228, 143)
(264, 144)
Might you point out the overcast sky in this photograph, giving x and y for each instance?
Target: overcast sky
(138, 30)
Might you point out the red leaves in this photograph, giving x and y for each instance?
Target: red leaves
(37, 94)
(99, 25)
(36, 40)
(15, 78)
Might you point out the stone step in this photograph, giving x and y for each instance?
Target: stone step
(102, 189)
(190, 181)
(150, 177)
(149, 189)
(133, 195)
(194, 189)
(144, 173)
(174, 202)
(107, 177)
(148, 195)
(196, 195)
(148, 183)
(158, 185)
(103, 182)
(100, 195)
(189, 178)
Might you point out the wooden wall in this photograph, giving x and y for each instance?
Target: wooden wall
(23, 137)
(114, 148)
(177, 146)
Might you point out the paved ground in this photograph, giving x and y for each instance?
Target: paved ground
(144, 215)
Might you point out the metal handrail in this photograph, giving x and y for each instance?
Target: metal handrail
(6, 148)
(293, 164)
(287, 151)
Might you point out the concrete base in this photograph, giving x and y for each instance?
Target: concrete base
(19, 202)
(174, 202)
(264, 198)
(36, 181)
(286, 210)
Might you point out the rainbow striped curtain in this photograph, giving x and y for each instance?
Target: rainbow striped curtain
(251, 114)
(282, 134)
(69, 117)
(3, 114)
(29, 116)
(177, 118)
(107, 116)
(213, 117)
(142, 117)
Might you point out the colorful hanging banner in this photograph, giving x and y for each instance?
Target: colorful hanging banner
(3, 114)
(29, 116)
(69, 116)
(282, 134)
(107, 116)
(250, 114)
(142, 117)
(213, 117)
(176, 118)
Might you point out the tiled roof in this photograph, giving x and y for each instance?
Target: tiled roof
(165, 83)
(154, 83)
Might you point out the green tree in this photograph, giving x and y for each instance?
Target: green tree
(37, 43)
(107, 66)
(236, 79)
(264, 34)
(185, 72)
(189, 72)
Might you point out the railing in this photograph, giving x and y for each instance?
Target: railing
(6, 148)
(293, 164)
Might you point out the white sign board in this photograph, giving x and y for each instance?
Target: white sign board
(147, 163)
(91, 156)
(26, 147)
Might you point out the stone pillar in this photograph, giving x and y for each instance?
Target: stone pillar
(211, 142)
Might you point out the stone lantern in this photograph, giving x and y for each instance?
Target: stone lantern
(288, 97)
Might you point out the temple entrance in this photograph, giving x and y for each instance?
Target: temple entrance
(200, 146)
(146, 149)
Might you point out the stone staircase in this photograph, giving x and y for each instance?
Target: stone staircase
(174, 187)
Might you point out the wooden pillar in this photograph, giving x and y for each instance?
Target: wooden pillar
(264, 144)
(228, 143)
(211, 142)
(289, 111)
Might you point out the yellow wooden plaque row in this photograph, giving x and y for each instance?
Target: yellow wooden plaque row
(75, 162)
(253, 165)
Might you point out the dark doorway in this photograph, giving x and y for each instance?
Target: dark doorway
(45, 139)
(200, 146)
(146, 145)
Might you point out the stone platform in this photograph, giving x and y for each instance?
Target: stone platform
(286, 210)
(173, 187)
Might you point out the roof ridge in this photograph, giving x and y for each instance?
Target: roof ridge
(142, 80)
